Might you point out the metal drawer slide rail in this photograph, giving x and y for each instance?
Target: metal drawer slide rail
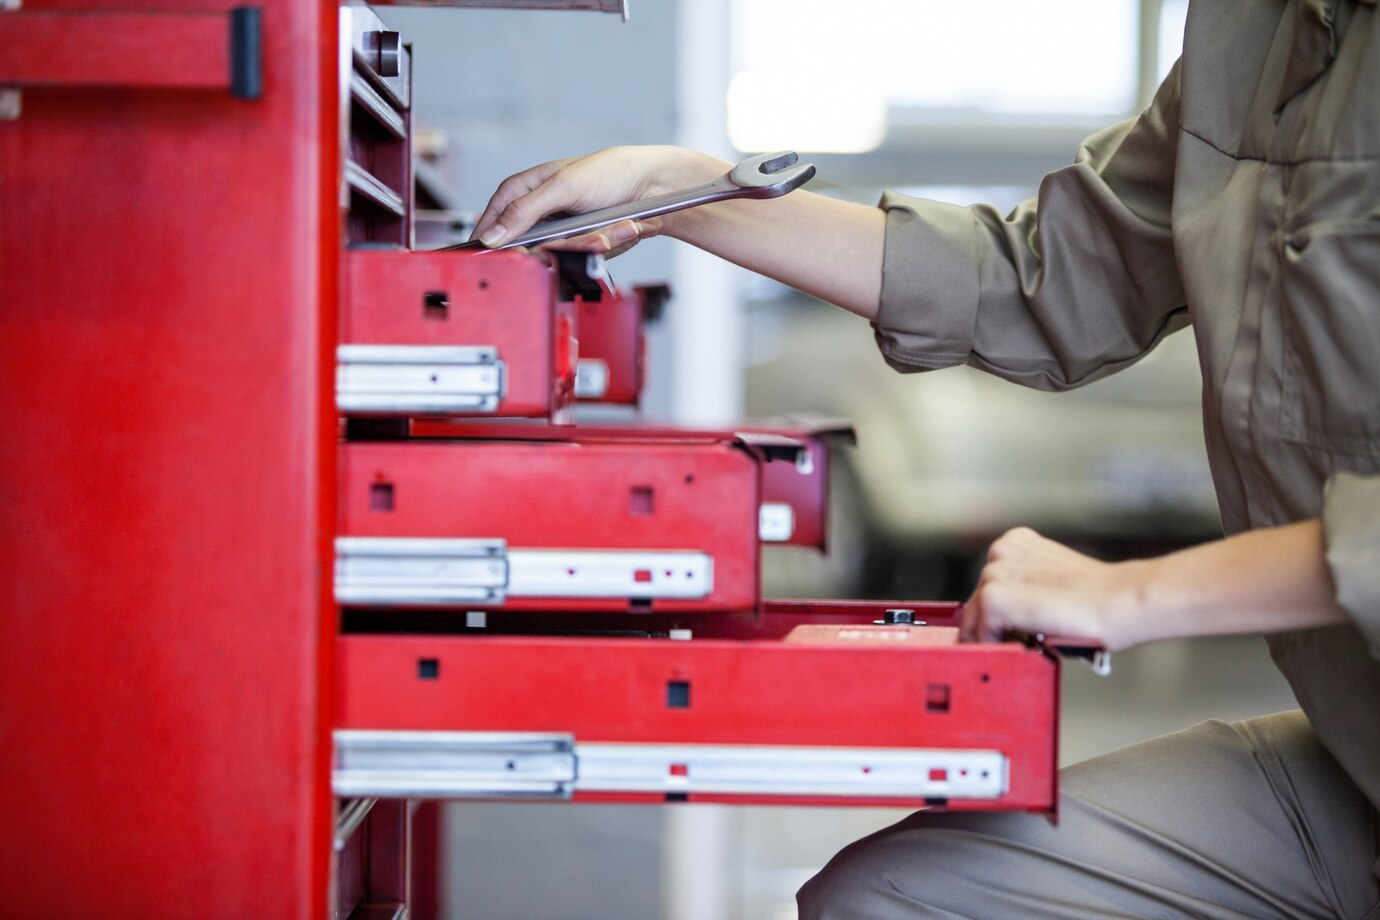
(418, 378)
(465, 764)
(375, 571)
(382, 571)
(400, 764)
(609, 573)
(800, 771)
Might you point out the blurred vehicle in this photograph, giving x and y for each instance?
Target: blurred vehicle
(948, 460)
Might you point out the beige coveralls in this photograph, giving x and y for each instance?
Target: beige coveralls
(1245, 200)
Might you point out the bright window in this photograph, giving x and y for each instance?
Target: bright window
(1173, 14)
(834, 74)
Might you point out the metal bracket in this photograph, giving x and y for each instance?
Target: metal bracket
(384, 571)
(351, 816)
(1087, 651)
(1098, 660)
(649, 574)
(11, 100)
(422, 764)
(417, 764)
(418, 379)
(388, 571)
(797, 771)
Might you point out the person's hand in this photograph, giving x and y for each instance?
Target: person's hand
(1034, 585)
(609, 177)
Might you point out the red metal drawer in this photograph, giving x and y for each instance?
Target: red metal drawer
(454, 333)
(595, 526)
(611, 321)
(795, 489)
(795, 496)
(737, 713)
(613, 343)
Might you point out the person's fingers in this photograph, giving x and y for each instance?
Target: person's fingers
(976, 612)
(512, 188)
(522, 212)
(1016, 542)
(596, 241)
(610, 241)
(970, 621)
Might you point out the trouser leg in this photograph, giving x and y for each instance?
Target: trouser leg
(1249, 820)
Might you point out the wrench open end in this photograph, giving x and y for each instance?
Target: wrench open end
(770, 175)
(774, 163)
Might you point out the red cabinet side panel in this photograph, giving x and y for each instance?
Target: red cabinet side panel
(168, 270)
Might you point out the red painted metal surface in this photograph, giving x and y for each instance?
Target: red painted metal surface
(167, 49)
(428, 866)
(803, 486)
(168, 273)
(610, 330)
(569, 495)
(502, 299)
(742, 692)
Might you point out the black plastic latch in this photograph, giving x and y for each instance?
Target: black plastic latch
(246, 52)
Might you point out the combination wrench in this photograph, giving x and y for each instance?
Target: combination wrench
(769, 175)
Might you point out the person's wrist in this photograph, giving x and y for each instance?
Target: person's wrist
(1127, 617)
(684, 169)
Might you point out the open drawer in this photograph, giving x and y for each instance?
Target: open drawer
(799, 702)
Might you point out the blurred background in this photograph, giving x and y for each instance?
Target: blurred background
(966, 103)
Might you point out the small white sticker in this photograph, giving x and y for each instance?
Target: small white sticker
(775, 522)
(591, 378)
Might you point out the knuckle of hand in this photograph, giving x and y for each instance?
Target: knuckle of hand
(515, 213)
(994, 596)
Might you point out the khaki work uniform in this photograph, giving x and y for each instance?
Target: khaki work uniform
(1245, 200)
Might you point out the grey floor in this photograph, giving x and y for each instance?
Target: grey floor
(579, 862)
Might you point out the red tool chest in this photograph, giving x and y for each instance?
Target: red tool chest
(206, 266)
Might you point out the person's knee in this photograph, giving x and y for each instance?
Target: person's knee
(876, 877)
(844, 888)
(926, 865)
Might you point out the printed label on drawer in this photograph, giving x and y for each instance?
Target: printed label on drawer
(833, 634)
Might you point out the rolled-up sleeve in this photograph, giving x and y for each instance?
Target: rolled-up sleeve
(1351, 533)
(1074, 284)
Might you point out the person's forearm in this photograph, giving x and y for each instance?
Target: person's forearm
(1261, 581)
(827, 248)
(831, 249)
